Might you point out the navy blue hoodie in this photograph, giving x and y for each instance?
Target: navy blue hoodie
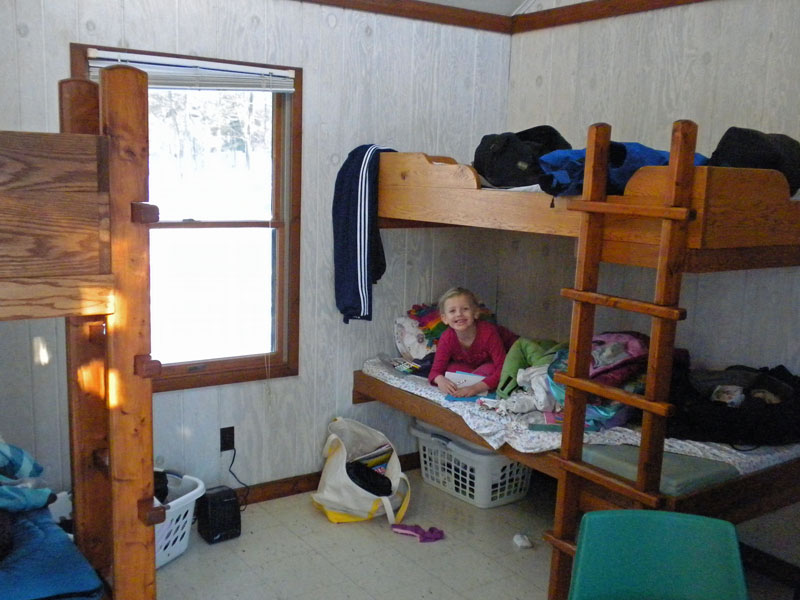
(358, 257)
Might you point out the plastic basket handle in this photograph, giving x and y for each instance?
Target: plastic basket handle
(444, 441)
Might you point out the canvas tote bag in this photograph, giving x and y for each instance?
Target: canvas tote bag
(338, 496)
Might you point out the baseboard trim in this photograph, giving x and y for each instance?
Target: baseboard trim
(290, 486)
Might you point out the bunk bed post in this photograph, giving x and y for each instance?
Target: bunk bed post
(79, 106)
(124, 117)
(669, 271)
(86, 372)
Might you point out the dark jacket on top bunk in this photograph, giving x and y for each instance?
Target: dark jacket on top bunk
(358, 257)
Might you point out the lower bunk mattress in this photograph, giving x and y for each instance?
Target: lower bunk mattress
(44, 563)
(687, 466)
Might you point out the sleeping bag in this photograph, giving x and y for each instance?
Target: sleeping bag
(525, 353)
(44, 564)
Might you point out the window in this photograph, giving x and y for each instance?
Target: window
(224, 172)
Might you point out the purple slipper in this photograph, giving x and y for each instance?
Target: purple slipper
(431, 535)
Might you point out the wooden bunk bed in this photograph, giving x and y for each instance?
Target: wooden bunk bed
(75, 245)
(675, 219)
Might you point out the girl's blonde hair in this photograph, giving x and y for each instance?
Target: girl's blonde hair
(458, 291)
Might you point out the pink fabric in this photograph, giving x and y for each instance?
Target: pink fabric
(431, 535)
(635, 344)
(486, 353)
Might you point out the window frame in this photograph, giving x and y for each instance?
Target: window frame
(287, 136)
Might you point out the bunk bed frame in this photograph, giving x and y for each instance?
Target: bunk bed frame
(75, 245)
(675, 219)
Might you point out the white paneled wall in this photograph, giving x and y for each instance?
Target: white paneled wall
(405, 84)
(720, 63)
(33, 394)
(419, 86)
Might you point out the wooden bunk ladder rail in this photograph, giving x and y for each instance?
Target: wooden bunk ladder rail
(669, 273)
(86, 373)
(590, 242)
(664, 312)
(617, 394)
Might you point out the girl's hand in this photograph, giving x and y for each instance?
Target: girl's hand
(445, 385)
(470, 390)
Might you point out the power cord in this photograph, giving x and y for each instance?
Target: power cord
(246, 487)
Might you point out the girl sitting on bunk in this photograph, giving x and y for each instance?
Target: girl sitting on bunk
(467, 345)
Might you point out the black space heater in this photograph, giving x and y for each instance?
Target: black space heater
(218, 516)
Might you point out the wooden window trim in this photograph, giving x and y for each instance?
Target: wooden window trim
(284, 361)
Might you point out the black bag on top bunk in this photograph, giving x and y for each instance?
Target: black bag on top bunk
(741, 147)
(740, 406)
(512, 159)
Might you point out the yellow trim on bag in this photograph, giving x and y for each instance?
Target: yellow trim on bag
(401, 512)
(334, 516)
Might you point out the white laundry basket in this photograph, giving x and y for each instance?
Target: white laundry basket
(475, 474)
(172, 536)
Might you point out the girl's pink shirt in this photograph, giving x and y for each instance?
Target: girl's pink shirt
(486, 348)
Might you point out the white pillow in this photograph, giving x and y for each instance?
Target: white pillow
(410, 340)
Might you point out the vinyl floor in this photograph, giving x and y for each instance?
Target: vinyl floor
(288, 550)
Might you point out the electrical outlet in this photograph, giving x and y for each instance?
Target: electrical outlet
(226, 439)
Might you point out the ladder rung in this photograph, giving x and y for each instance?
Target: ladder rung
(565, 546)
(673, 213)
(662, 409)
(610, 482)
(639, 306)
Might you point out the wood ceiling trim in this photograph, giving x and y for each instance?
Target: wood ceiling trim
(590, 10)
(426, 11)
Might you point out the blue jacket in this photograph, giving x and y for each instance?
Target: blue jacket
(563, 169)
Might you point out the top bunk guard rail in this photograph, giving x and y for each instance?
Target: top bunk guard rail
(737, 218)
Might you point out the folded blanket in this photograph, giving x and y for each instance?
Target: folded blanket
(19, 498)
(17, 470)
(15, 463)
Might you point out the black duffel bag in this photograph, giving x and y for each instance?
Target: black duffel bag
(512, 159)
(768, 414)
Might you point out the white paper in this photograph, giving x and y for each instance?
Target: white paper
(462, 379)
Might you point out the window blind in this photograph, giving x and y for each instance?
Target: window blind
(186, 72)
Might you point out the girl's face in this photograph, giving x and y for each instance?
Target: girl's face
(459, 313)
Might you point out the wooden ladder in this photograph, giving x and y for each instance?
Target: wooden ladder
(675, 214)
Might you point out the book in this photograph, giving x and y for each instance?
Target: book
(377, 453)
(462, 379)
